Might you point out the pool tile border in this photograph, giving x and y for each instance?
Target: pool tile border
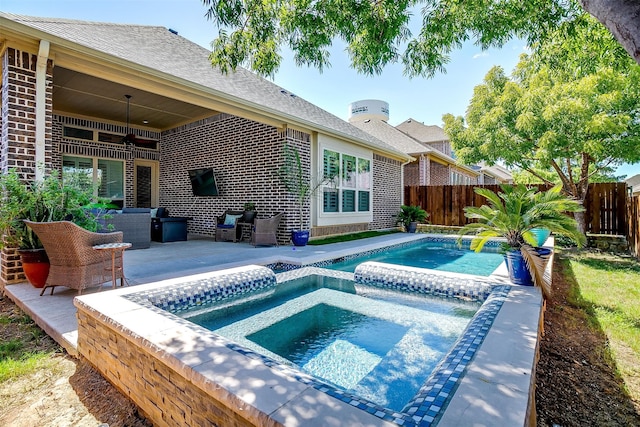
(428, 405)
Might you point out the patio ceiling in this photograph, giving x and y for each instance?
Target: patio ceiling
(84, 95)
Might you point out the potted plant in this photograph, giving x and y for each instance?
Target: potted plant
(298, 182)
(41, 201)
(513, 214)
(410, 216)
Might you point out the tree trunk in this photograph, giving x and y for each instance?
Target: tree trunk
(622, 18)
(581, 221)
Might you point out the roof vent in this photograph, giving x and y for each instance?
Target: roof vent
(172, 31)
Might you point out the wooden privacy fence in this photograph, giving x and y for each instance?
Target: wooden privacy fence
(633, 236)
(606, 204)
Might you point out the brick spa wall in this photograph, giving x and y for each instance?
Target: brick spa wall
(244, 155)
(161, 392)
(387, 192)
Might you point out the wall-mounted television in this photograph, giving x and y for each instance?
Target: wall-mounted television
(203, 182)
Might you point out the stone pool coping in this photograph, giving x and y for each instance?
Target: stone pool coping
(496, 390)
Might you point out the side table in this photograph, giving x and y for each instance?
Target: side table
(115, 249)
(244, 227)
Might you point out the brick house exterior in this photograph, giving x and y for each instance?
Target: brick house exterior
(63, 91)
(429, 146)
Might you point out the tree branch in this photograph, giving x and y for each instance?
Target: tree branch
(622, 18)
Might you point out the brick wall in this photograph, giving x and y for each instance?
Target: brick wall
(18, 132)
(19, 113)
(126, 153)
(412, 173)
(439, 174)
(387, 192)
(442, 146)
(245, 156)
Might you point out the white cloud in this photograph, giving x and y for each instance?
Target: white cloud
(480, 55)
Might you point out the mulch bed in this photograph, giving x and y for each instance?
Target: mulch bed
(576, 384)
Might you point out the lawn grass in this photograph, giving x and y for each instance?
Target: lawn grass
(24, 347)
(349, 237)
(608, 288)
(25, 364)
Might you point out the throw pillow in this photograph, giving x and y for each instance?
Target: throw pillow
(231, 219)
(154, 212)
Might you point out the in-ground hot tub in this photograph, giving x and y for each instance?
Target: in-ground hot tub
(181, 374)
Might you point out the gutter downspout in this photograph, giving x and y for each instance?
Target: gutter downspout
(41, 107)
(402, 179)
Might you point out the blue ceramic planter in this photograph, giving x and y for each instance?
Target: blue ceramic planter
(300, 238)
(542, 234)
(518, 271)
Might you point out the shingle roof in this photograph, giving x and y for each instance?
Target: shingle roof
(497, 171)
(392, 136)
(421, 132)
(160, 50)
(633, 180)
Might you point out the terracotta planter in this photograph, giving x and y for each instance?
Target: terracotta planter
(35, 265)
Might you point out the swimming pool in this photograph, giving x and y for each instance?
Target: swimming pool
(441, 254)
(135, 339)
(376, 343)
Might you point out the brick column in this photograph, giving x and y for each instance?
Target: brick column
(19, 112)
(18, 131)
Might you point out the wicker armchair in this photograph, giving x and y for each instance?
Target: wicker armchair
(227, 226)
(74, 262)
(265, 231)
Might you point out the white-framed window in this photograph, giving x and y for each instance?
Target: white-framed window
(105, 137)
(105, 176)
(351, 190)
(459, 179)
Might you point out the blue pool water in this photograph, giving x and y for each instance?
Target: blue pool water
(379, 344)
(430, 254)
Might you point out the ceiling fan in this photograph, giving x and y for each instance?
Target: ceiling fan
(130, 138)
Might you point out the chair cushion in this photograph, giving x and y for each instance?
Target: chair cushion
(226, 225)
(231, 219)
(136, 210)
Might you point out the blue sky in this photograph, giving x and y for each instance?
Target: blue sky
(425, 100)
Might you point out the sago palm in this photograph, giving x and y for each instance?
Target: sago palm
(514, 212)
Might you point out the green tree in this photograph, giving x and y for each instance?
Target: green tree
(252, 32)
(577, 118)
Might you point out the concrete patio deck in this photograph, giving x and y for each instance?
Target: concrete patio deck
(56, 314)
